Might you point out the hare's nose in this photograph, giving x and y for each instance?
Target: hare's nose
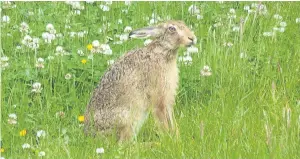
(193, 39)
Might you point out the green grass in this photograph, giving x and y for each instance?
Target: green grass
(234, 113)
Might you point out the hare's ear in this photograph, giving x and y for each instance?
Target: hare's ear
(145, 32)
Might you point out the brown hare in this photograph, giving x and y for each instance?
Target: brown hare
(143, 80)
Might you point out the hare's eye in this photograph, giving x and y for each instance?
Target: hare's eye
(172, 28)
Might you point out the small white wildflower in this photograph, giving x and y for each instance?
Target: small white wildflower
(77, 12)
(127, 29)
(246, 8)
(72, 34)
(206, 71)
(5, 19)
(42, 153)
(281, 29)
(268, 34)
(59, 35)
(13, 116)
(100, 150)
(80, 52)
(59, 49)
(49, 27)
(68, 76)
(40, 60)
(90, 1)
(80, 34)
(125, 11)
(120, 21)
(283, 24)
(127, 3)
(96, 43)
(4, 59)
(236, 29)
(41, 133)
(192, 49)
(37, 87)
(110, 62)
(124, 37)
(105, 8)
(232, 11)
(147, 42)
(277, 16)
(24, 28)
(91, 56)
(26, 146)
(193, 10)
(50, 57)
(12, 121)
(243, 55)
(199, 17)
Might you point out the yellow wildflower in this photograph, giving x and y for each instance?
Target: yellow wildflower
(83, 61)
(81, 118)
(23, 132)
(89, 46)
(2, 150)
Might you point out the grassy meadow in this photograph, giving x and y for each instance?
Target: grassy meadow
(239, 91)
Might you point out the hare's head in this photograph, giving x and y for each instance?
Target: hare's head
(171, 33)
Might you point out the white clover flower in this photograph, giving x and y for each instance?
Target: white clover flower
(24, 28)
(12, 121)
(80, 34)
(4, 62)
(277, 16)
(26, 40)
(80, 52)
(26, 146)
(127, 3)
(243, 55)
(120, 21)
(192, 49)
(96, 43)
(90, 1)
(59, 49)
(40, 133)
(281, 29)
(246, 8)
(45, 35)
(236, 29)
(206, 71)
(42, 153)
(36, 87)
(127, 29)
(232, 11)
(4, 59)
(90, 56)
(100, 150)
(72, 34)
(124, 37)
(110, 62)
(105, 8)
(40, 60)
(147, 42)
(107, 52)
(68, 76)
(5, 19)
(50, 57)
(49, 27)
(13, 116)
(199, 17)
(268, 34)
(283, 24)
(193, 10)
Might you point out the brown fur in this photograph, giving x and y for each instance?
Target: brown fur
(143, 79)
